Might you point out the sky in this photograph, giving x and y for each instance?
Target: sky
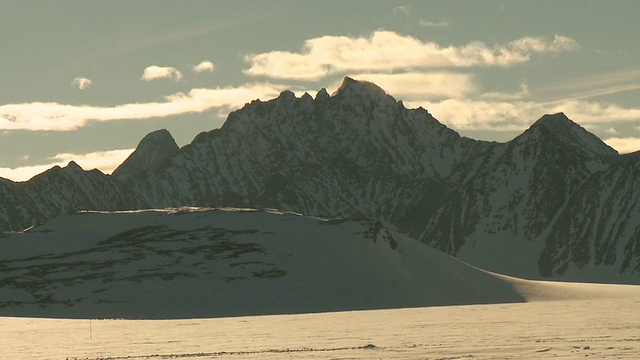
(87, 80)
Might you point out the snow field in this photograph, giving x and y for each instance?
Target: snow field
(600, 328)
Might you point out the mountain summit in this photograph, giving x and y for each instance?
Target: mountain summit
(151, 152)
(362, 90)
(560, 125)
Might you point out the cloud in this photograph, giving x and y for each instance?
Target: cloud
(469, 114)
(415, 85)
(593, 85)
(205, 65)
(404, 9)
(522, 93)
(39, 116)
(611, 131)
(425, 23)
(154, 72)
(389, 51)
(624, 145)
(465, 114)
(593, 112)
(81, 82)
(105, 161)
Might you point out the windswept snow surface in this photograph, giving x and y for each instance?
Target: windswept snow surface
(597, 328)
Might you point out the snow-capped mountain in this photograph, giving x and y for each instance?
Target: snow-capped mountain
(514, 207)
(184, 263)
(338, 155)
(502, 215)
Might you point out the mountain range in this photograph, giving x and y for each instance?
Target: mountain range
(555, 202)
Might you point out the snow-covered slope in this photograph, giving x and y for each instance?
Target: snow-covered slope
(221, 262)
(500, 218)
(598, 236)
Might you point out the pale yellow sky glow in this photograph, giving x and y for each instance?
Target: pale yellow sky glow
(105, 161)
(61, 117)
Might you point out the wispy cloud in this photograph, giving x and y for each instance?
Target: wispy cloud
(105, 161)
(523, 93)
(425, 23)
(403, 9)
(62, 117)
(624, 145)
(593, 86)
(81, 82)
(390, 51)
(154, 72)
(428, 85)
(203, 66)
(468, 114)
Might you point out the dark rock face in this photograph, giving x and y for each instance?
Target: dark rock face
(152, 151)
(600, 225)
(553, 201)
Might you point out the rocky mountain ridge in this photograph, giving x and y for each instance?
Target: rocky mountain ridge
(555, 201)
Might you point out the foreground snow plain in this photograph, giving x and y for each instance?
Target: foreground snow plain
(520, 318)
(569, 329)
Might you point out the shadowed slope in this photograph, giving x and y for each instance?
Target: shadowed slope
(210, 263)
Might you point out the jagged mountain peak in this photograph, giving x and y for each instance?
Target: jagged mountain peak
(151, 152)
(558, 117)
(351, 88)
(306, 97)
(287, 95)
(561, 127)
(322, 95)
(158, 136)
(559, 123)
(353, 96)
(73, 166)
(359, 123)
